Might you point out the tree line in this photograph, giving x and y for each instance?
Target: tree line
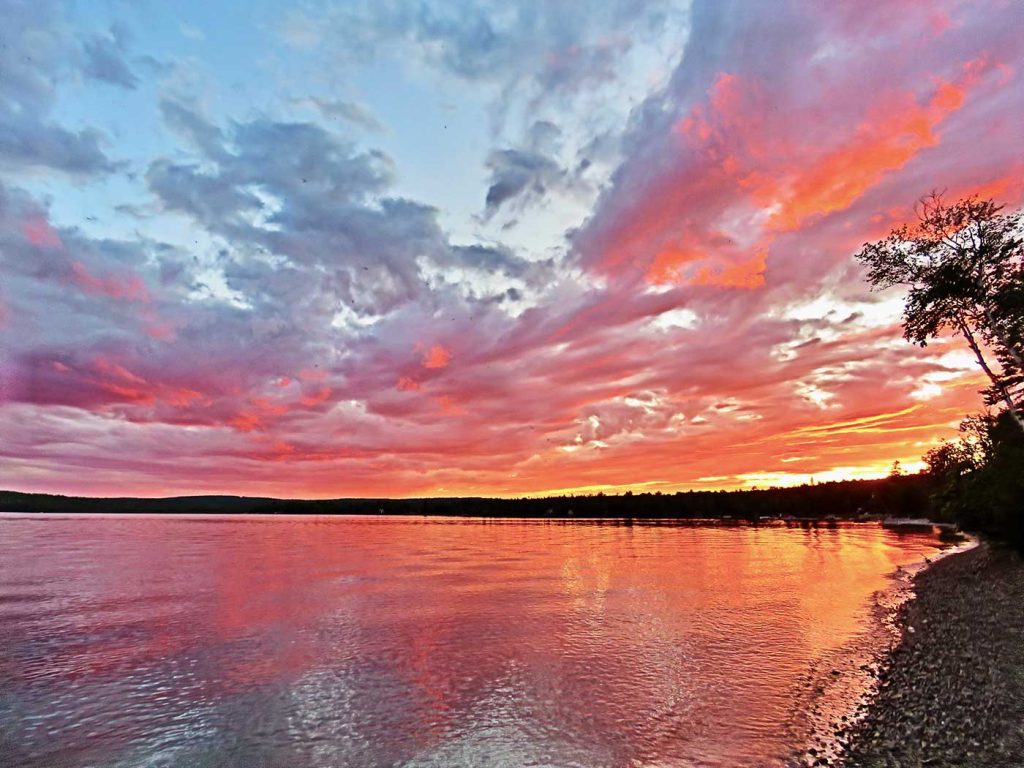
(895, 496)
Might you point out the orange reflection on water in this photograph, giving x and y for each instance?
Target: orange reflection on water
(384, 641)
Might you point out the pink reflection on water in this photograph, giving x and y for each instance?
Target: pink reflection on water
(411, 642)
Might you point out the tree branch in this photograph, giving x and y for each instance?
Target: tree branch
(997, 381)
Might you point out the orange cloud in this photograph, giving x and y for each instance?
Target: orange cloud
(794, 184)
(448, 406)
(312, 374)
(896, 131)
(743, 274)
(255, 416)
(128, 386)
(317, 397)
(755, 166)
(666, 265)
(436, 357)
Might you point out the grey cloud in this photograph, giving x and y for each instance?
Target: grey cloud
(491, 259)
(62, 285)
(104, 59)
(294, 190)
(307, 161)
(560, 46)
(309, 172)
(535, 55)
(544, 136)
(519, 174)
(527, 174)
(349, 111)
(36, 51)
(208, 198)
(26, 144)
(88, 319)
(193, 127)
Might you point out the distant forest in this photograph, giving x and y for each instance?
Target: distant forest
(897, 496)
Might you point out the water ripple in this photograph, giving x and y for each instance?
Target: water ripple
(399, 642)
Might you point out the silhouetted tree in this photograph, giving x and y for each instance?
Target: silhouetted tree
(964, 266)
(978, 480)
(954, 460)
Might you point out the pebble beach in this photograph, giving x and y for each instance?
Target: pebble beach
(952, 693)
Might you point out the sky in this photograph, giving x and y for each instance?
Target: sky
(428, 248)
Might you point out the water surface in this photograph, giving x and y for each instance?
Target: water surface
(271, 641)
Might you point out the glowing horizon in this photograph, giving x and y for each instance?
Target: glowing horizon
(365, 251)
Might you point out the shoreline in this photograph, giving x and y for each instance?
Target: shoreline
(951, 690)
(838, 690)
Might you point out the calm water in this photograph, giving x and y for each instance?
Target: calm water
(397, 642)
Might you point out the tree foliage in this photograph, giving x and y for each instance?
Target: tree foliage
(979, 479)
(963, 265)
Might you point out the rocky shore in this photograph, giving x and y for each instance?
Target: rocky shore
(953, 692)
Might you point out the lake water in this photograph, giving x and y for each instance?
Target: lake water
(272, 641)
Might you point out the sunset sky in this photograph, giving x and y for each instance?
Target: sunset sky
(392, 248)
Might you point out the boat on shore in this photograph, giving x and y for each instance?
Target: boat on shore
(911, 524)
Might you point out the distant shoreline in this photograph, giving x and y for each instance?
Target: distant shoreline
(901, 496)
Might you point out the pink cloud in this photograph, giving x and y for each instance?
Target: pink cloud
(128, 287)
(406, 384)
(436, 357)
(316, 397)
(37, 230)
(709, 321)
(161, 331)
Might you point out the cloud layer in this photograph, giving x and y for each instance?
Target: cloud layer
(265, 307)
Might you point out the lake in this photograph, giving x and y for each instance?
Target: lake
(327, 641)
